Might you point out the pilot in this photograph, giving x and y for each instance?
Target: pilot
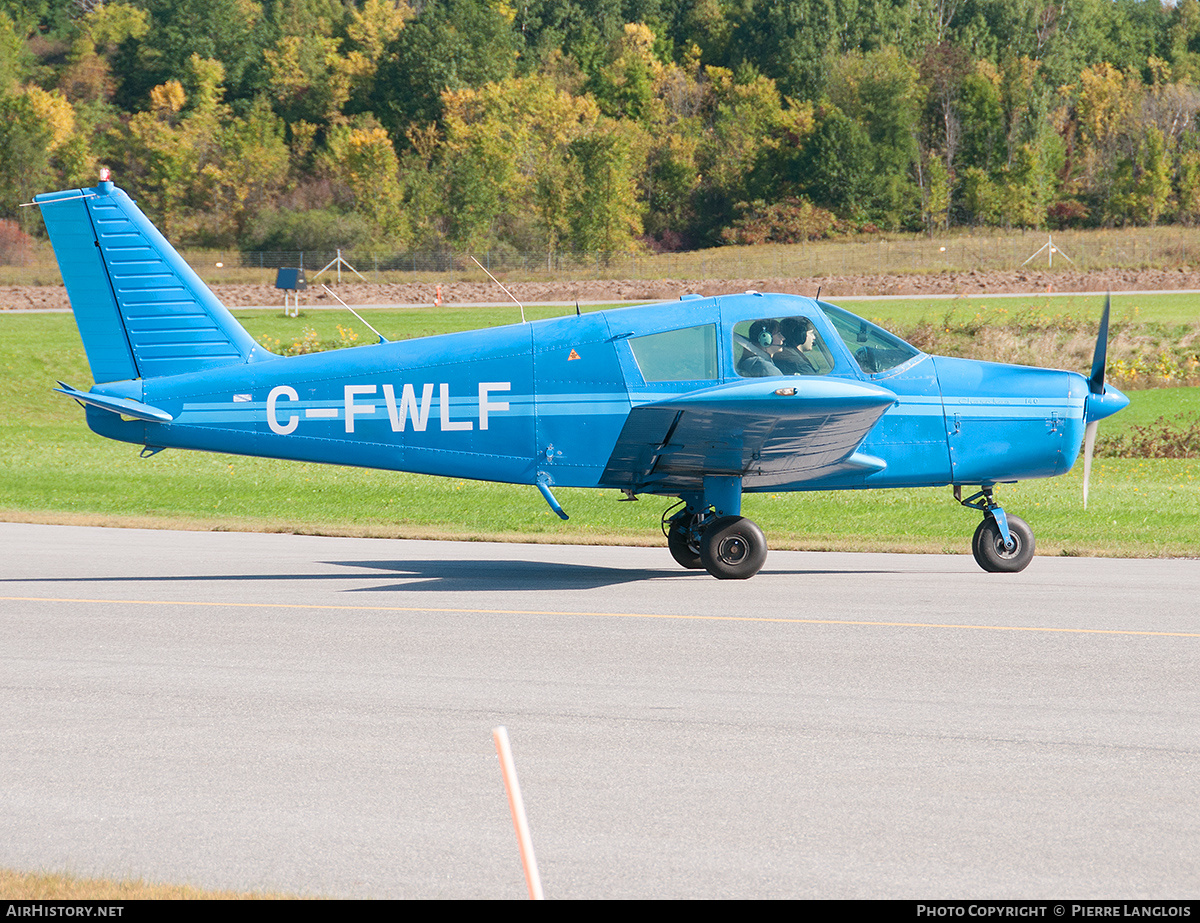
(764, 334)
(795, 356)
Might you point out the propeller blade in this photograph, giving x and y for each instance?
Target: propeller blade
(1089, 447)
(1100, 356)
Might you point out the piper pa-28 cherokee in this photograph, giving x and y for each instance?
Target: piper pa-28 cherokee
(700, 399)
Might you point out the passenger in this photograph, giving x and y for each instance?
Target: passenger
(795, 357)
(766, 336)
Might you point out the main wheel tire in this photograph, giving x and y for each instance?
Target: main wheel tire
(684, 544)
(733, 548)
(990, 552)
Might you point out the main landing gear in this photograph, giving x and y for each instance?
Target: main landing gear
(709, 533)
(1002, 544)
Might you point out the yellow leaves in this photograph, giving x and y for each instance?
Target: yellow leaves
(376, 25)
(987, 70)
(167, 99)
(638, 41)
(109, 24)
(1105, 101)
(54, 112)
(304, 138)
(424, 140)
(1160, 72)
(528, 114)
(364, 159)
(371, 155)
(508, 12)
(283, 62)
(207, 77)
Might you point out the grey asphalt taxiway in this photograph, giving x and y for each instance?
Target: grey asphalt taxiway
(314, 715)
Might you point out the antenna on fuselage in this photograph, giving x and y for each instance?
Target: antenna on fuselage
(506, 291)
(818, 298)
(382, 338)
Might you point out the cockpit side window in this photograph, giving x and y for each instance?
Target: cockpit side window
(873, 348)
(779, 346)
(689, 354)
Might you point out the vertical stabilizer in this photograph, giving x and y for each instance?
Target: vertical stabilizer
(142, 312)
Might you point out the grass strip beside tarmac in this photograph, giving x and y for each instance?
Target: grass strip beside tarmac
(53, 469)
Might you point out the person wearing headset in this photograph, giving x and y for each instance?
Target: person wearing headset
(795, 356)
(764, 334)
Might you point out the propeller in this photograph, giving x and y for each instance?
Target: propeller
(1101, 401)
(1089, 447)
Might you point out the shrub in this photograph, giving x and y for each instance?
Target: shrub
(1161, 439)
(16, 247)
(790, 221)
(323, 229)
(310, 342)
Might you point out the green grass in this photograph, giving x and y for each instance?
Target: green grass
(52, 468)
(1167, 308)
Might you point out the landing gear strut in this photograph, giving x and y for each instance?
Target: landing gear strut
(709, 532)
(1002, 544)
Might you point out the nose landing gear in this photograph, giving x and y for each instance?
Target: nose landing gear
(1002, 544)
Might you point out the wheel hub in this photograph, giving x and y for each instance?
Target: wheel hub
(733, 550)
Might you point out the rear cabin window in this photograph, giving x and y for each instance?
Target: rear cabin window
(689, 354)
(773, 346)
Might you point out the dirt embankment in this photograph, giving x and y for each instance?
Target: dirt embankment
(607, 290)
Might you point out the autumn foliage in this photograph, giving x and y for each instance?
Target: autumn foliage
(605, 125)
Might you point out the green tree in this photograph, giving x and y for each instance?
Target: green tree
(508, 152)
(880, 91)
(605, 214)
(252, 169)
(232, 32)
(1141, 189)
(449, 45)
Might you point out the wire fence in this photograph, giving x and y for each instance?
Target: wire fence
(1164, 248)
(1171, 248)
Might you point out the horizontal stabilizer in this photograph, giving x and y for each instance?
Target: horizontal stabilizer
(122, 406)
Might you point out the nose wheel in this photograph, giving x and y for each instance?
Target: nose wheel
(1003, 544)
(995, 555)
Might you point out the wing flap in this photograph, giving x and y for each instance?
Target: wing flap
(769, 433)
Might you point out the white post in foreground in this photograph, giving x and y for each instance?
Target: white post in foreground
(500, 735)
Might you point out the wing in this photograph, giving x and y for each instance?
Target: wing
(771, 433)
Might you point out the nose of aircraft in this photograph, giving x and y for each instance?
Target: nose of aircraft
(1104, 404)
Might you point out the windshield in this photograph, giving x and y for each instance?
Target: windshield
(873, 348)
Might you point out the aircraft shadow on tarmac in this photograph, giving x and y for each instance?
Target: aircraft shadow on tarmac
(496, 575)
(451, 576)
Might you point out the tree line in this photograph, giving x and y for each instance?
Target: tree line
(603, 125)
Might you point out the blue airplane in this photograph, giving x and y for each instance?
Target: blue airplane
(701, 399)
